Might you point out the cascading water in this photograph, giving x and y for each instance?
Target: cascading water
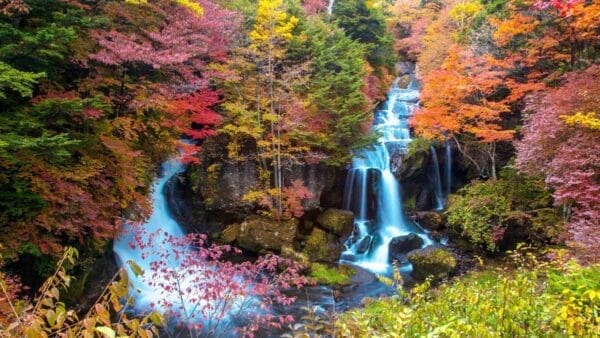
(437, 180)
(160, 224)
(330, 7)
(373, 192)
(448, 169)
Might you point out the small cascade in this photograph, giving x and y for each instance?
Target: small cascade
(330, 7)
(372, 191)
(448, 169)
(160, 225)
(437, 180)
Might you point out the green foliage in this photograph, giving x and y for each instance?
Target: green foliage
(484, 211)
(336, 276)
(18, 81)
(418, 145)
(335, 89)
(365, 22)
(477, 211)
(536, 300)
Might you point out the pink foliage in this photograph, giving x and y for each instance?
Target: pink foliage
(201, 289)
(293, 197)
(412, 45)
(562, 6)
(314, 7)
(569, 156)
(180, 49)
(13, 7)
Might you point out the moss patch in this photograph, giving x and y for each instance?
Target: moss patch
(337, 276)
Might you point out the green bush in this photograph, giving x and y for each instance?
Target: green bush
(544, 301)
(487, 213)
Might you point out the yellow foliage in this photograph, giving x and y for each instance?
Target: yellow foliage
(586, 120)
(272, 24)
(192, 6)
(463, 12)
(189, 4)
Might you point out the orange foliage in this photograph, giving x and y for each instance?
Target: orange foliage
(455, 100)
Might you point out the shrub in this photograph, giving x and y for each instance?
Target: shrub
(505, 211)
(537, 301)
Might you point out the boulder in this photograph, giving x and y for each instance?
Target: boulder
(430, 220)
(289, 252)
(322, 246)
(404, 81)
(432, 261)
(401, 245)
(364, 244)
(336, 221)
(231, 233)
(262, 233)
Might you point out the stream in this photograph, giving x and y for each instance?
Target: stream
(372, 192)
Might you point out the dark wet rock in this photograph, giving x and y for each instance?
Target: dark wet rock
(318, 178)
(336, 221)
(322, 246)
(432, 261)
(401, 245)
(221, 183)
(364, 244)
(184, 208)
(261, 233)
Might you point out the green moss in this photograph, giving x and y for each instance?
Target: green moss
(317, 245)
(336, 276)
(230, 233)
(336, 220)
(435, 262)
(416, 146)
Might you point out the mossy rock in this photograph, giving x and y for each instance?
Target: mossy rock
(401, 245)
(322, 246)
(432, 261)
(231, 233)
(336, 220)
(265, 234)
(335, 275)
(431, 220)
(288, 251)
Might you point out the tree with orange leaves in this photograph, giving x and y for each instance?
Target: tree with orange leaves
(459, 104)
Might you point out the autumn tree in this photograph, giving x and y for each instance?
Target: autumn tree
(561, 141)
(458, 104)
(110, 99)
(261, 97)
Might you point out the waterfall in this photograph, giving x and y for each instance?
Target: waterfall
(330, 7)
(371, 175)
(448, 169)
(160, 225)
(436, 180)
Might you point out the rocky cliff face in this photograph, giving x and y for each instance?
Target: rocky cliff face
(212, 193)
